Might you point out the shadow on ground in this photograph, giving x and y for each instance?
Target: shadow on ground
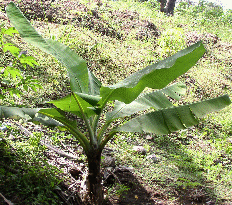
(199, 191)
(133, 192)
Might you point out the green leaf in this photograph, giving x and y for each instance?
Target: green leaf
(91, 99)
(202, 108)
(156, 100)
(14, 72)
(168, 120)
(175, 91)
(38, 86)
(14, 91)
(59, 115)
(70, 104)
(2, 96)
(49, 117)
(29, 60)
(25, 87)
(10, 31)
(10, 47)
(77, 68)
(94, 84)
(155, 76)
(30, 114)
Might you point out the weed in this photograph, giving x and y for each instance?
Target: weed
(12, 78)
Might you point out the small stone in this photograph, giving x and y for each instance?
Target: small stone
(62, 162)
(108, 161)
(140, 149)
(230, 140)
(3, 128)
(148, 137)
(153, 157)
(124, 168)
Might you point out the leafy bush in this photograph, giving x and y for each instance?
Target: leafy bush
(205, 9)
(227, 17)
(171, 41)
(91, 101)
(26, 172)
(12, 80)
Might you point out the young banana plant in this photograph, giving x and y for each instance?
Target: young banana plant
(88, 99)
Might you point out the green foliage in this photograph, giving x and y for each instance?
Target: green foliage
(227, 17)
(205, 9)
(210, 10)
(171, 41)
(205, 12)
(13, 81)
(25, 170)
(119, 190)
(204, 16)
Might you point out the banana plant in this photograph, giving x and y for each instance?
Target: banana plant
(89, 98)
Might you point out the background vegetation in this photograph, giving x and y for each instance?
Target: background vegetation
(118, 38)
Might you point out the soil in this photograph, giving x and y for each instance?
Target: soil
(85, 17)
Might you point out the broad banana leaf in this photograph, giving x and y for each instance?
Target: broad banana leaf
(74, 103)
(29, 114)
(94, 85)
(156, 100)
(91, 99)
(155, 76)
(70, 125)
(58, 115)
(168, 120)
(77, 68)
(50, 117)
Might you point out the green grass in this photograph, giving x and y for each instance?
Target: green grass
(198, 158)
(25, 170)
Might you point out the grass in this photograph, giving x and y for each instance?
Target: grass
(25, 170)
(199, 158)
